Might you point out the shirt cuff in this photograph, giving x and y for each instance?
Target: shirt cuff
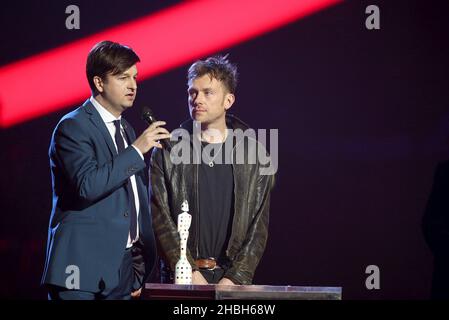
(138, 151)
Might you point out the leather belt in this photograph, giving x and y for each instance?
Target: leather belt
(209, 264)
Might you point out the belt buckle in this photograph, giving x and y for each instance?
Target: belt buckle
(212, 269)
(207, 262)
(215, 266)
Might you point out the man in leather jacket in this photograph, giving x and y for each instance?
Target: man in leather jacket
(228, 194)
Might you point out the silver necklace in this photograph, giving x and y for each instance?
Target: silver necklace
(211, 162)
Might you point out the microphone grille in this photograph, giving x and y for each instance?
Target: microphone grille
(147, 114)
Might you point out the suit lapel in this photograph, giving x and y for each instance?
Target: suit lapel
(128, 131)
(99, 123)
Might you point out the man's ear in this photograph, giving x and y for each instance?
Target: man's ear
(229, 101)
(98, 82)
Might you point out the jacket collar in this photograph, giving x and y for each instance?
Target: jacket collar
(95, 117)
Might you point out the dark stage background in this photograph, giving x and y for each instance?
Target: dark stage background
(363, 119)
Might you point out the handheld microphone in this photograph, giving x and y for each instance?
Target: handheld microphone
(148, 117)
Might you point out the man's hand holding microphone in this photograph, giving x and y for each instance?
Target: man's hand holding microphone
(151, 136)
(154, 133)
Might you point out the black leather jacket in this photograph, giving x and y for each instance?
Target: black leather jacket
(172, 184)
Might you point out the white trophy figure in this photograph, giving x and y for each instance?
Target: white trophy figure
(183, 270)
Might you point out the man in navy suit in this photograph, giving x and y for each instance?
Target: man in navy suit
(100, 237)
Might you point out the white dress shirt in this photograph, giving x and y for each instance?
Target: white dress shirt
(109, 119)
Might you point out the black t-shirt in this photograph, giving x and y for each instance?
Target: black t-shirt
(216, 199)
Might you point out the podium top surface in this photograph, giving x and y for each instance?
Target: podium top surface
(224, 292)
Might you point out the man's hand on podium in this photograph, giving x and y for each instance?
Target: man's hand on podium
(226, 282)
(197, 278)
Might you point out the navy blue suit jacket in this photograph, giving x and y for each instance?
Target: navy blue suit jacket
(89, 222)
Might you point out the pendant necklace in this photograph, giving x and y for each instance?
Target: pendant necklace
(211, 163)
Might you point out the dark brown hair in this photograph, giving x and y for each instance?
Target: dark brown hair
(217, 67)
(108, 57)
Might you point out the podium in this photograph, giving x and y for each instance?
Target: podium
(159, 291)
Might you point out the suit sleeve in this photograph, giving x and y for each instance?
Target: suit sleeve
(72, 149)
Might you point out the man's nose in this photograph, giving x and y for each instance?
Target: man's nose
(132, 84)
(198, 100)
